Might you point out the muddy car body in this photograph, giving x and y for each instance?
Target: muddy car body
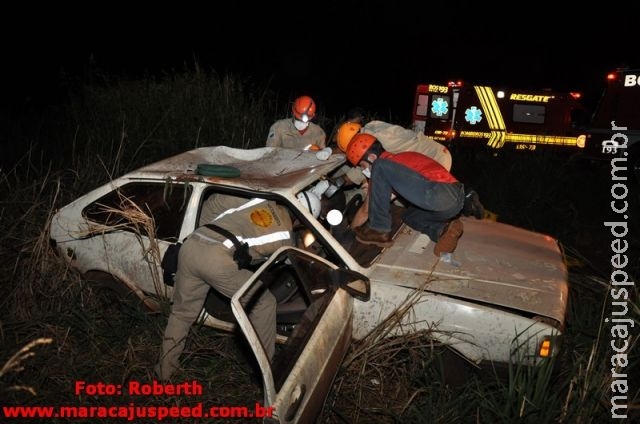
(504, 301)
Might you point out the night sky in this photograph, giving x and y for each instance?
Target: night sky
(370, 54)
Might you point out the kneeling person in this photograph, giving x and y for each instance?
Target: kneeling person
(434, 195)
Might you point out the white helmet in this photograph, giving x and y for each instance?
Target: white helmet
(311, 201)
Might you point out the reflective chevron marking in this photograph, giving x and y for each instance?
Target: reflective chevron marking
(494, 116)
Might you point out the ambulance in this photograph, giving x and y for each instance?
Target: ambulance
(495, 118)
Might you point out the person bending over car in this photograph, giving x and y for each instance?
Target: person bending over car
(206, 260)
(396, 139)
(435, 196)
(393, 138)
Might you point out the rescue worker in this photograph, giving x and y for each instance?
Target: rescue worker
(206, 260)
(396, 139)
(298, 132)
(435, 196)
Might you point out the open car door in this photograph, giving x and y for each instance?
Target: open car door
(298, 379)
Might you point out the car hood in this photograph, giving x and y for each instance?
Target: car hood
(499, 264)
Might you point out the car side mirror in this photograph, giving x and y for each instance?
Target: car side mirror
(355, 283)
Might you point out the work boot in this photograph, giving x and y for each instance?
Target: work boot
(367, 235)
(448, 241)
(472, 205)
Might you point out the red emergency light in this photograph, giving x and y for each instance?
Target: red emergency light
(423, 88)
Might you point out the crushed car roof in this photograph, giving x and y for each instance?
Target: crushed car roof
(262, 168)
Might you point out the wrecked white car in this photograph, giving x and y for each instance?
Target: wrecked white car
(503, 301)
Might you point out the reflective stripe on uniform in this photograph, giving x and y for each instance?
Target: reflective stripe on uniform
(252, 241)
(258, 241)
(250, 203)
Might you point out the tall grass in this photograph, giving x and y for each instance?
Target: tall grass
(111, 126)
(125, 122)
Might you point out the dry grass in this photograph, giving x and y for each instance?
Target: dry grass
(138, 222)
(16, 363)
(383, 375)
(31, 266)
(57, 329)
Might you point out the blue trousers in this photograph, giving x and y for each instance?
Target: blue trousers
(432, 204)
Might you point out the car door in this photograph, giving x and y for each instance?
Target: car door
(298, 379)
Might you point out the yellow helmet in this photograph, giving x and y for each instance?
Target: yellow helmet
(346, 132)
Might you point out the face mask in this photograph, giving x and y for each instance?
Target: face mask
(300, 126)
(367, 172)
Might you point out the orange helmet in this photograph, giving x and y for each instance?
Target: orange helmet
(358, 146)
(304, 108)
(346, 132)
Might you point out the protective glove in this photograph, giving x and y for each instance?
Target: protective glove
(324, 153)
(334, 186)
(320, 188)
